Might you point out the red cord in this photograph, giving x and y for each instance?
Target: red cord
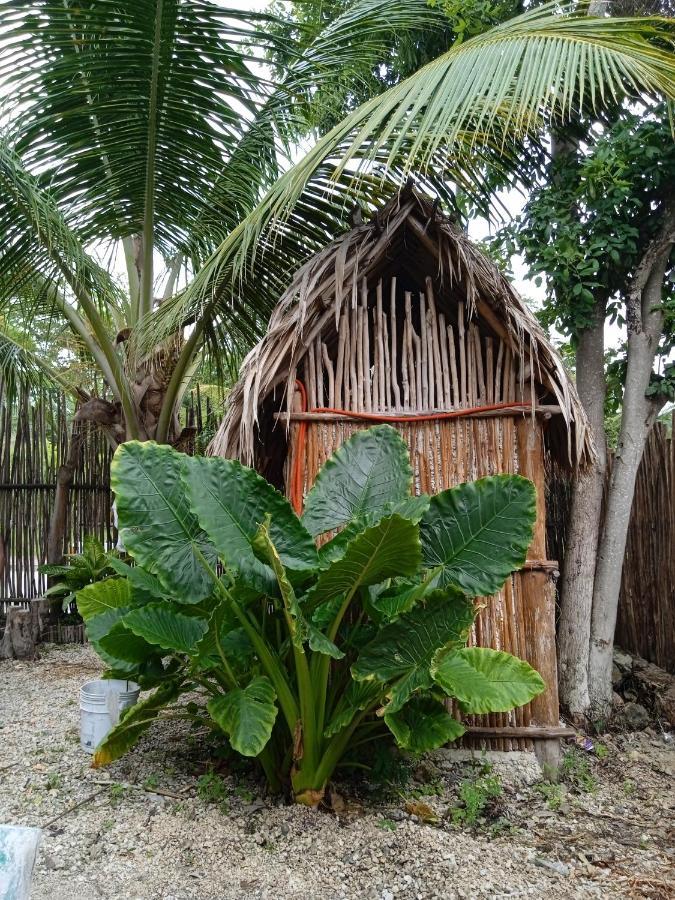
(297, 479)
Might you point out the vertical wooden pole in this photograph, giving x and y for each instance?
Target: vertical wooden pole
(538, 595)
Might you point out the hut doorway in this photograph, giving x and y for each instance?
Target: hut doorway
(404, 321)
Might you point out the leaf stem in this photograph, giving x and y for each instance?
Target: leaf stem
(287, 701)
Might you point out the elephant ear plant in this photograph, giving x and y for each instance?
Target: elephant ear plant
(303, 650)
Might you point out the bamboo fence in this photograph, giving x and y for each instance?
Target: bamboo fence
(646, 618)
(34, 439)
(646, 622)
(35, 433)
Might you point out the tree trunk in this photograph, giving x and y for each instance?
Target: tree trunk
(64, 482)
(576, 597)
(18, 641)
(645, 322)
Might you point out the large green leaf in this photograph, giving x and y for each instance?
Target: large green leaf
(411, 508)
(401, 653)
(144, 586)
(230, 502)
(299, 628)
(156, 524)
(224, 635)
(246, 715)
(135, 721)
(358, 696)
(397, 598)
(366, 473)
(99, 627)
(387, 549)
(158, 624)
(422, 725)
(103, 596)
(476, 534)
(485, 680)
(120, 643)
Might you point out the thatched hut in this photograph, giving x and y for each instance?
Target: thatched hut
(403, 320)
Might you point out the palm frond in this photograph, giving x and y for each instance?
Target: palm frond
(478, 100)
(25, 369)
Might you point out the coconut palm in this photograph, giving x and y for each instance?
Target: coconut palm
(156, 133)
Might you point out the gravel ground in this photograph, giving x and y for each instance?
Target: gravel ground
(127, 840)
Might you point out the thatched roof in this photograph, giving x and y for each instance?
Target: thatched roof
(408, 225)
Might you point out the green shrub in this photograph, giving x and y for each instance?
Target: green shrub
(92, 565)
(306, 653)
(476, 796)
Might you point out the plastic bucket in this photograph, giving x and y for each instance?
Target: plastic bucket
(101, 703)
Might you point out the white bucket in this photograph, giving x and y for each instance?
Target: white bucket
(101, 703)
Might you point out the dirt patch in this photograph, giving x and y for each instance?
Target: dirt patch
(157, 825)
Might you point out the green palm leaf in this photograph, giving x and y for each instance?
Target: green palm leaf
(484, 94)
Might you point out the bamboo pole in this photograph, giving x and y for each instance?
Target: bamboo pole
(365, 348)
(393, 335)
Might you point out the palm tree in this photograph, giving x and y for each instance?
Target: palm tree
(156, 132)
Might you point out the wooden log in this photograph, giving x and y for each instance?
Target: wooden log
(462, 354)
(340, 397)
(388, 374)
(319, 372)
(328, 366)
(375, 384)
(405, 378)
(498, 373)
(516, 412)
(426, 403)
(357, 361)
(526, 731)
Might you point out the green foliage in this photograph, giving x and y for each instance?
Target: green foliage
(92, 565)
(211, 788)
(293, 653)
(477, 796)
(585, 230)
(576, 771)
(552, 792)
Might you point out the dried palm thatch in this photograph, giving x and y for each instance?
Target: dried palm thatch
(408, 233)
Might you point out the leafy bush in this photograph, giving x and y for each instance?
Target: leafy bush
(306, 652)
(477, 796)
(81, 569)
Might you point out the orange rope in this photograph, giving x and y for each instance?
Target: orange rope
(297, 479)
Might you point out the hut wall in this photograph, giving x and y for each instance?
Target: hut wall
(403, 356)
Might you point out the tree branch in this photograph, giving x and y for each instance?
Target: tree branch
(655, 257)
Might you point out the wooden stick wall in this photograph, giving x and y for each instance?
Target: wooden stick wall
(382, 364)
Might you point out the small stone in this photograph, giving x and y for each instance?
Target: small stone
(635, 716)
(622, 660)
